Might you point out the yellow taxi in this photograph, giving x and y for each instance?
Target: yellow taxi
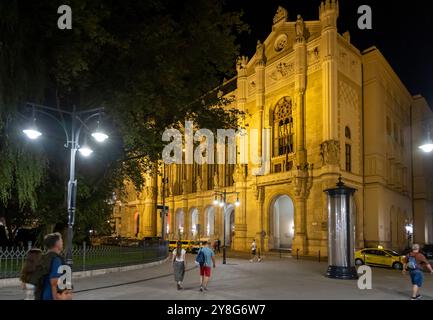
(379, 257)
(172, 245)
(186, 244)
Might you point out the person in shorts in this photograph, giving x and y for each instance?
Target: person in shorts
(205, 269)
(254, 252)
(414, 262)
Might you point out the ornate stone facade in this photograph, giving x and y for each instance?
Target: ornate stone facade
(340, 123)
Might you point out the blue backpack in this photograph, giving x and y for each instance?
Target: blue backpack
(200, 259)
(411, 262)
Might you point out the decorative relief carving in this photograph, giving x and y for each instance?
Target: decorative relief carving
(241, 64)
(330, 152)
(280, 43)
(282, 70)
(259, 192)
(281, 15)
(313, 56)
(303, 180)
(239, 174)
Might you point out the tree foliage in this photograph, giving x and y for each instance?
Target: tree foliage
(150, 63)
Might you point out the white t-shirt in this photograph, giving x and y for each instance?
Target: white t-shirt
(182, 255)
(253, 246)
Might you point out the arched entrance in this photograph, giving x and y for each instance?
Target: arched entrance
(194, 222)
(230, 224)
(180, 222)
(210, 221)
(282, 224)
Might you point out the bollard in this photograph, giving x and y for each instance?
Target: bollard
(297, 254)
(319, 255)
(280, 253)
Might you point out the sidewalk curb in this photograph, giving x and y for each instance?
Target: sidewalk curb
(14, 282)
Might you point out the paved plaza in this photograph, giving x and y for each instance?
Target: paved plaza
(273, 278)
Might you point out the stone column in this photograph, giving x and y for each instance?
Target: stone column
(240, 238)
(300, 244)
(260, 92)
(150, 201)
(328, 17)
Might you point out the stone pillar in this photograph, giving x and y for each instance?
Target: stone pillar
(240, 239)
(261, 234)
(328, 13)
(260, 92)
(301, 176)
(150, 201)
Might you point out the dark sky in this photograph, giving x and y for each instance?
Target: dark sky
(404, 34)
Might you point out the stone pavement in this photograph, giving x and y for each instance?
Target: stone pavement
(273, 278)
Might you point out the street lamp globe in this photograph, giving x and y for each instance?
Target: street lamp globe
(32, 133)
(85, 151)
(221, 204)
(428, 145)
(99, 136)
(237, 203)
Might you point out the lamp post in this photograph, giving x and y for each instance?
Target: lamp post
(223, 204)
(72, 134)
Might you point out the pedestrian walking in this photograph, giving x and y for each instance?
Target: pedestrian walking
(254, 252)
(219, 245)
(179, 264)
(33, 260)
(206, 259)
(414, 262)
(47, 274)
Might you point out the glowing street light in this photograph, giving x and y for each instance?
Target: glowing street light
(72, 135)
(85, 151)
(32, 134)
(428, 145)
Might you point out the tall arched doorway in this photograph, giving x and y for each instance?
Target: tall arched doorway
(180, 222)
(230, 224)
(283, 223)
(210, 221)
(194, 222)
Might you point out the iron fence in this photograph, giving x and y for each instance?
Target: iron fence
(88, 257)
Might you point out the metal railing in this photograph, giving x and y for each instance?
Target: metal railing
(88, 257)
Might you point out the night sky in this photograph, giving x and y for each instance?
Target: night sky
(404, 34)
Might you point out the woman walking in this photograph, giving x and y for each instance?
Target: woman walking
(179, 264)
(33, 260)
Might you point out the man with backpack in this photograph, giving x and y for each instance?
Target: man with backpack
(205, 258)
(414, 263)
(46, 276)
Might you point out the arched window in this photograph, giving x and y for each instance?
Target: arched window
(283, 127)
(348, 149)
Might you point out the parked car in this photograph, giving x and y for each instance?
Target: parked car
(186, 244)
(379, 257)
(172, 245)
(427, 250)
